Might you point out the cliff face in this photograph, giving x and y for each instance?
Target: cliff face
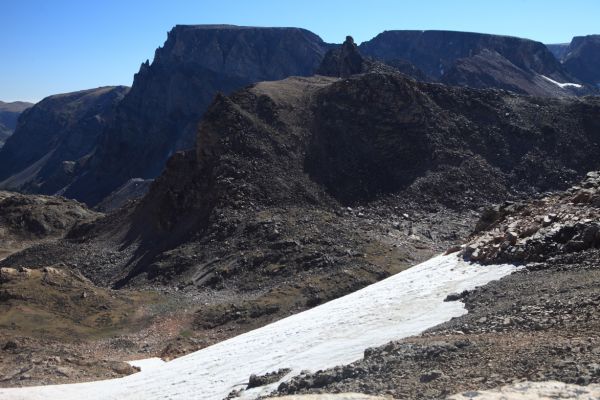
(476, 60)
(169, 96)
(582, 58)
(9, 113)
(51, 138)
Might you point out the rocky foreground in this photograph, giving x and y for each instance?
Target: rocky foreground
(539, 324)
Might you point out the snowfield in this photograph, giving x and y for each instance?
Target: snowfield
(328, 335)
(562, 85)
(536, 391)
(147, 363)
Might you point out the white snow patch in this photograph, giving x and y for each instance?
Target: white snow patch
(334, 333)
(536, 391)
(330, 396)
(147, 363)
(562, 85)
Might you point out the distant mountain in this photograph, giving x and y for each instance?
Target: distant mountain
(160, 114)
(489, 69)
(559, 50)
(477, 60)
(9, 113)
(582, 59)
(53, 138)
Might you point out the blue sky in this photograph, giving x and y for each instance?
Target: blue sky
(57, 46)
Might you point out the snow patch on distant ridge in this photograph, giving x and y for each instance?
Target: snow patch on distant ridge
(562, 85)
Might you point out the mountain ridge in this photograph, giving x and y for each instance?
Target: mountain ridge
(53, 138)
(9, 113)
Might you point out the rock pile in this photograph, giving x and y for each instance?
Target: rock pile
(566, 222)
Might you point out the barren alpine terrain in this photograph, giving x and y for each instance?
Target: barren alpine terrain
(267, 215)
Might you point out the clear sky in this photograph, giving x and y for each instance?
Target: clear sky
(57, 46)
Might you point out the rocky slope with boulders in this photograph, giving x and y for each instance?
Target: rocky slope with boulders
(9, 114)
(566, 222)
(54, 139)
(446, 144)
(538, 324)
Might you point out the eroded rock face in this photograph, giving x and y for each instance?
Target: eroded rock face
(168, 97)
(53, 139)
(561, 223)
(343, 61)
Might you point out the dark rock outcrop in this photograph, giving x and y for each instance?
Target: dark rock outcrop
(477, 60)
(53, 139)
(582, 59)
(346, 60)
(9, 113)
(160, 114)
(343, 61)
